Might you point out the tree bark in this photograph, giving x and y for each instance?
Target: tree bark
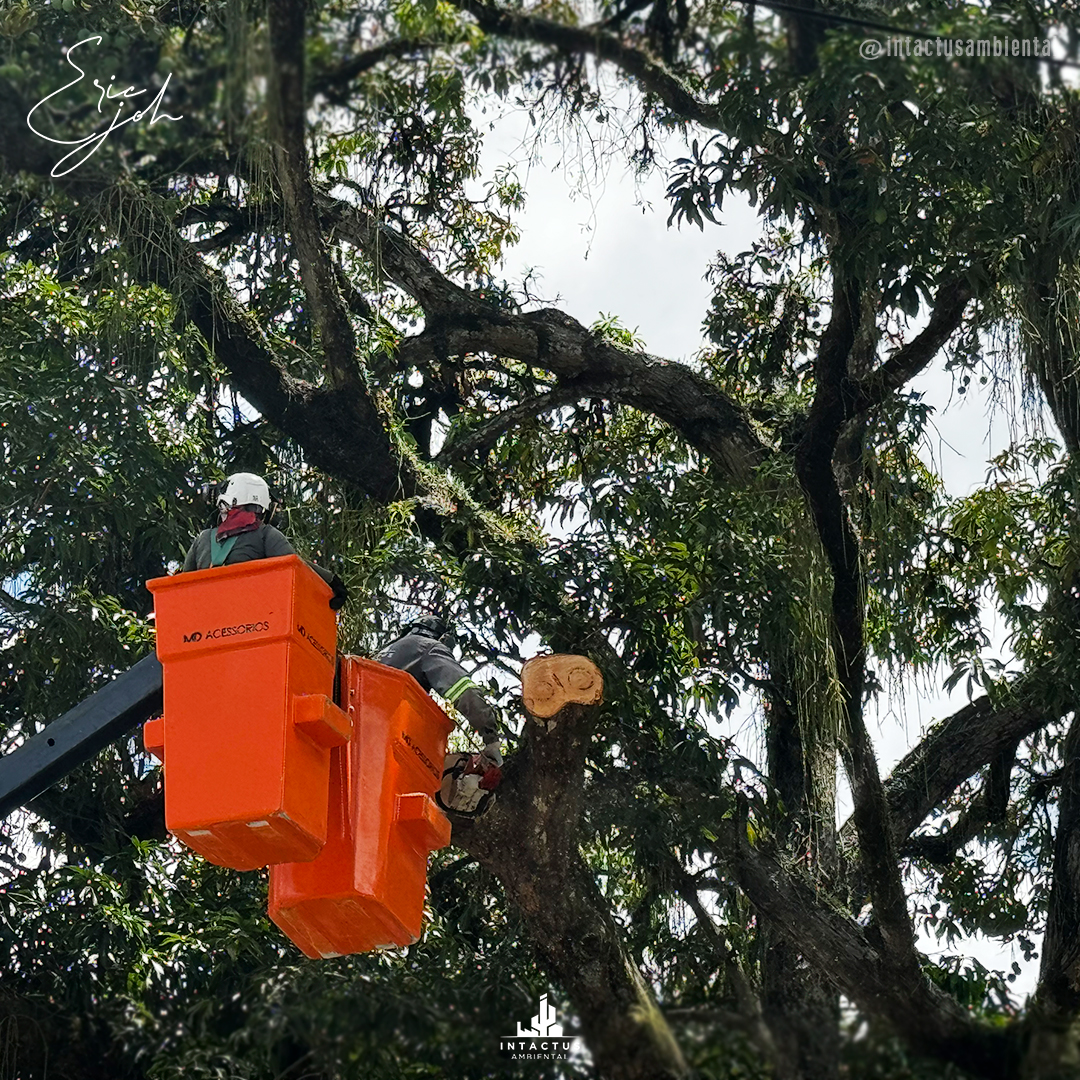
(801, 1007)
(1059, 976)
(529, 840)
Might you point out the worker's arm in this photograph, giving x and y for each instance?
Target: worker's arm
(191, 560)
(448, 678)
(277, 543)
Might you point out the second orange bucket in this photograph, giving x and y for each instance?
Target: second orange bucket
(366, 888)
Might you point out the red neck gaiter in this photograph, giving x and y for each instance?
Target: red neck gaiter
(237, 521)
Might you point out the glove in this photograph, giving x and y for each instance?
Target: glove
(341, 594)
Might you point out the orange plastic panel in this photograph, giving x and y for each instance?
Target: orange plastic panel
(366, 888)
(153, 734)
(248, 654)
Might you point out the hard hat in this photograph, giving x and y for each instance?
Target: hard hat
(431, 625)
(245, 489)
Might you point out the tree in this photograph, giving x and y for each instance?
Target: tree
(297, 276)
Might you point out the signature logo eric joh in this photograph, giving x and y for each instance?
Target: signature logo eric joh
(92, 143)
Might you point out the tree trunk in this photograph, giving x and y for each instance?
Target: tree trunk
(529, 840)
(801, 1008)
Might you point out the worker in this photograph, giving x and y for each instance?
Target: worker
(244, 533)
(469, 780)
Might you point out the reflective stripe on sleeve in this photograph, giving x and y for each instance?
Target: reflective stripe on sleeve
(458, 689)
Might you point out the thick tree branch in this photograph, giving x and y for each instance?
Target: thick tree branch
(396, 258)
(746, 997)
(814, 467)
(653, 76)
(239, 222)
(247, 219)
(1053, 344)
(19, 607)
(549, 339)
(529, 840)
(459, 323)
(1058, 994)
(941, 848)
(908, 361)
(480, 440)
(231, 234)
(953, 750)
(990, 807)
(624, 13)
(288, 111)
(339, 428)
(828, 938)
(929, 1019)
(335, 81)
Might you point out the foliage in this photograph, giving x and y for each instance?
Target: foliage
(600, 518)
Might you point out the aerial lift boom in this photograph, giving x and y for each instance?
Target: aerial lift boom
(80, 734)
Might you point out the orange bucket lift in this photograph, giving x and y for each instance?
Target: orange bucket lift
(248, 656)
(366, 889)
(262, 767)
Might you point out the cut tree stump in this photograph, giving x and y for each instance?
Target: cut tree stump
(548, 683)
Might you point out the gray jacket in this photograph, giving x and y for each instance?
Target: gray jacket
(433, 666)
(265, 542)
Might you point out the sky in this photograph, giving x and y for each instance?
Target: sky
(595, 240)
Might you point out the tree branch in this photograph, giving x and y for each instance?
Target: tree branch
(933, 1022)
(396, 258)
(604, 45)
(624, 13)
(458, 323)
(529, 840)
(288, 112)
(814, 467)
(1058, 994)
(708, 420)
(908, 361)
(339, 428)
(989, 807)
(239, 222)
(19, 607)
(746, 997)
(481, 439)
(337, 79)
(953, 750)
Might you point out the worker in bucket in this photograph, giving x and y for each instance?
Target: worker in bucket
(469, 780)
(244, 533)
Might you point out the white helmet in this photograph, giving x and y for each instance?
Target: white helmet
(245, 489)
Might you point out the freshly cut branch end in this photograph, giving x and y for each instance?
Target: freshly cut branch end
(548, 683)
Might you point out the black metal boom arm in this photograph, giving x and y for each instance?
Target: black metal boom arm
(79, 734)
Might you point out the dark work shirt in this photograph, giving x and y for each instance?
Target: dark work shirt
(265, 542)
(433, 666)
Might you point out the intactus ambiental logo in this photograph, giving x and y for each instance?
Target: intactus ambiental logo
(542, 1041)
